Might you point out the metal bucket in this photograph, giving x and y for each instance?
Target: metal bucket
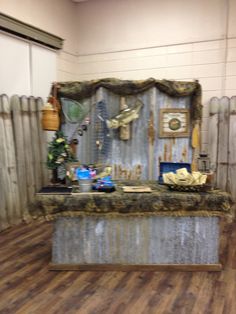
(85, 185)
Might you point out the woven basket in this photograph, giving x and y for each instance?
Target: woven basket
(50, 119)
(189, 188)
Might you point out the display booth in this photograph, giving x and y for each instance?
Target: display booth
(141, 130)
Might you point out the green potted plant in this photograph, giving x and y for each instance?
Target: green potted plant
(59, 153)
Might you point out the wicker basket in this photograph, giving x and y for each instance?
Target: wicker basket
(189, 188)
(50, 119)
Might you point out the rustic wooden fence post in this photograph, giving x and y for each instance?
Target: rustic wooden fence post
(35, 143)
(30, 180)
(10, 179)
(22, 157)
(232, 148)
(4, 222)
(223, 146)
(4, 215)
(42, 143)
(213, 133)
(17, 116)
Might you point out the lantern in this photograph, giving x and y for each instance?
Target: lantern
(203, 163)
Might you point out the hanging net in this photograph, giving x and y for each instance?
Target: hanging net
(74, 111)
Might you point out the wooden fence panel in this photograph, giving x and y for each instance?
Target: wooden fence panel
(42, 144)
(213, 132)
(3, 151)
(223, 147)
(232, 147)
(35, 143)
(4, 223)
(11, 179)
(22, 157)
(4, 220)
(222, 144)
(30, 179)
(20, 152)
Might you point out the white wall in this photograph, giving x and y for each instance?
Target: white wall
(14, 75)
(43, 70)
(55, 16)
(180, 40)
(25, 68)
(111, 25)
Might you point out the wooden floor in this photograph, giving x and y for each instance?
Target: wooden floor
(28, 287)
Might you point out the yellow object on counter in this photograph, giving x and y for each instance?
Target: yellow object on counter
(183, 177)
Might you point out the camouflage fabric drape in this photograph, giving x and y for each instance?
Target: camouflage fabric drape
(161, 201)
(85, 89)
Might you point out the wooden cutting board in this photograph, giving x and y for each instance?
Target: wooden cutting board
(137, 189)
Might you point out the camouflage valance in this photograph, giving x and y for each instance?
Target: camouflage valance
(85, 89)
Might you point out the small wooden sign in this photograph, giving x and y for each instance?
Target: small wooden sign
(174, 122)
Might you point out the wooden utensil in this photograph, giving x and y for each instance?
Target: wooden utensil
(195, 145)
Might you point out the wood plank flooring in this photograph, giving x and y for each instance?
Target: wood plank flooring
(28, 287)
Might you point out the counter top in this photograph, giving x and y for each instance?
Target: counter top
(161, 201)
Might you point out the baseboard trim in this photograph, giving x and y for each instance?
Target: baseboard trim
(127, 267)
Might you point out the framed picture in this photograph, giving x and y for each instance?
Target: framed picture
(71, 168)
(174, 122)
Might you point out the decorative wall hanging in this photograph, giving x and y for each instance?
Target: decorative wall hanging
(126, 116)
(77, 114)
(73, 111)
(50, 115)
(174, 123)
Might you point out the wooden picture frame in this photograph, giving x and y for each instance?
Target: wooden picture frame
(174, 122)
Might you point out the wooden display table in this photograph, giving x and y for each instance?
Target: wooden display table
(161, 230)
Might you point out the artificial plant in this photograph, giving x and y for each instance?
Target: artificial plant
(59, 153)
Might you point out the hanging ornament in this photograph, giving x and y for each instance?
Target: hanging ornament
(50, 115)
(99, 145)
(73, 145)
(87, 120)
(75, 141)
(80, 132)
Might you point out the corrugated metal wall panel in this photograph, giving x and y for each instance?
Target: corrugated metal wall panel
(136, 240)
(128, 158)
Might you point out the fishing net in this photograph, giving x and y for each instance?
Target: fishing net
(74, 111)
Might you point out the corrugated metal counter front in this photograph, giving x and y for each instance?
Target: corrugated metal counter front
(127, 231)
